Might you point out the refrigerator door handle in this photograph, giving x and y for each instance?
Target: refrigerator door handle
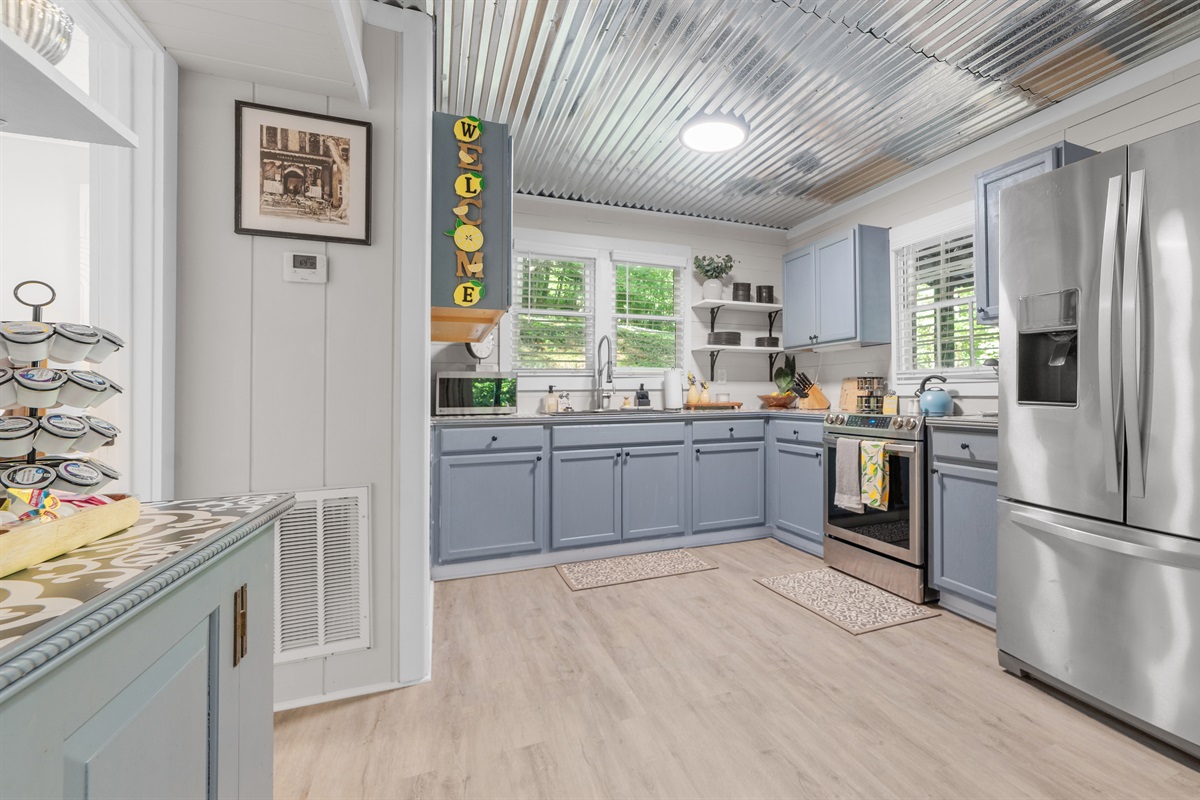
(1110, 420)
(1130, 357)
(1187, 558)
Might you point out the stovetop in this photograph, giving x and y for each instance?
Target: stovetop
(876, 426)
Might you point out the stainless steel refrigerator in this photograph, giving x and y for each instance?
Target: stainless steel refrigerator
(1099, 519)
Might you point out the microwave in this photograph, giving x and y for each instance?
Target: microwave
(457, 393)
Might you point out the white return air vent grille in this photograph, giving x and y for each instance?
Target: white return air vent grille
(322, 566)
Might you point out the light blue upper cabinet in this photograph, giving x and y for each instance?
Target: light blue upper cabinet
(837, 291)
(799, 298)
(988, 186)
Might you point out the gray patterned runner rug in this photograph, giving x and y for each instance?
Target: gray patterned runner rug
(626, 569)
(847, 602)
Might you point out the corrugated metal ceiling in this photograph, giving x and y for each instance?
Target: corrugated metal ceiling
(840, 95)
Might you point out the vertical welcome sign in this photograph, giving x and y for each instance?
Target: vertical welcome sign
(472, 226)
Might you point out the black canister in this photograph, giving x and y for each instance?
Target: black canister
(741, 292)
(765, 294)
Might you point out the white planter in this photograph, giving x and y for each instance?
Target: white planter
(712, 289)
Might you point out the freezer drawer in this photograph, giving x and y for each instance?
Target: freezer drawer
(1109, 612)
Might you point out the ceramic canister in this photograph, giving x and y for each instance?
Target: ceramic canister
(8, 389)
(39, 387)
(59, 433)
(16, 436)
(83, 389)
(72, 342)
(109, 343)
(27, 342)
(99, 433)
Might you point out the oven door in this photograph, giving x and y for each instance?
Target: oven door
(897, 532)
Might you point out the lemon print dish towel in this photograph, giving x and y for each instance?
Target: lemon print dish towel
(874, 463)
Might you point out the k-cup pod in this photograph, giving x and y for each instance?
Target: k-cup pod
(83, 389)
(80, 477)
(27, 476)
(99, 433)
(113, 389)
(109, 343)
(39, 387)
(16, 436)
(106, 471)
(27, 342)
(72, 342)
(8, 389)
(59, 433)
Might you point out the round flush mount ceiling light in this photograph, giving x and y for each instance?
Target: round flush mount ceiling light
(713, 133)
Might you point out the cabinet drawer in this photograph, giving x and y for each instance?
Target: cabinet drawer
(492, 438)
(727, 430)
(806, 431)
(618, 434)
(980, 447)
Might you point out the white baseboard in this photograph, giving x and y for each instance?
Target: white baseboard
(357, 691)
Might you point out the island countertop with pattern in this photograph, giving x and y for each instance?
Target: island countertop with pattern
(47, 598)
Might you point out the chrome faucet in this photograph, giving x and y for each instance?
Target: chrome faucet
(604, 373)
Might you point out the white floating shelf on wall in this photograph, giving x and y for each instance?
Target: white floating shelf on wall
(38, 100)
(738, 305)
(740, 348)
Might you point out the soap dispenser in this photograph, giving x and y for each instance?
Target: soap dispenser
(643, 397)
(551, 402)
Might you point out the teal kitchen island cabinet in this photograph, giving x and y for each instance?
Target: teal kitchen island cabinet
(141, 665)
(962, 525)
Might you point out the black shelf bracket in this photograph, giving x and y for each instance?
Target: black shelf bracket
(712, 364)
(771, 365)
(771, 317)
(712, 318)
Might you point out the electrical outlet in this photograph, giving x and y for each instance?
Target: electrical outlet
(722, 376)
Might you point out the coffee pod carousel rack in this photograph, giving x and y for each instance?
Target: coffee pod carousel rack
(25, 545)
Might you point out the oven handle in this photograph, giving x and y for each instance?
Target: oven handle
(890, 447)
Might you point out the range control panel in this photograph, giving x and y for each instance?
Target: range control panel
(875, 425)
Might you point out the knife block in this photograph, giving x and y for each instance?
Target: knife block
(816, 400)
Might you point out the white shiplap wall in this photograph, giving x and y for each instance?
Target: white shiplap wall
(285, 386)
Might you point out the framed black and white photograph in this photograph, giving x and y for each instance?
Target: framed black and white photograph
(301, 175)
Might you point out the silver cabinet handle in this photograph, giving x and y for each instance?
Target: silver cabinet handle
(1110, 421)
(1130, 357)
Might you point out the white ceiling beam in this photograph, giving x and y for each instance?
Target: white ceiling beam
(348, 14)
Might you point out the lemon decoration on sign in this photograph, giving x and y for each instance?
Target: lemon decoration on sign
(468, 129)
(468, 238)
(468, 184)
(469, 293)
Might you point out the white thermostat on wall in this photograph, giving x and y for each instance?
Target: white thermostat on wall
(305, 268)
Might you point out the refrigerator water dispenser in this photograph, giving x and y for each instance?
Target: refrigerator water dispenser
(1047, 350)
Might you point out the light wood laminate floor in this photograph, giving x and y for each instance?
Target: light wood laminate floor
(707, 685)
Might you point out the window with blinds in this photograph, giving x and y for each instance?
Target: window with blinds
(935, 309)
(647, 316)
(553, 313)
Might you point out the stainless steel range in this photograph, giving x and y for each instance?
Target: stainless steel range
(883, 547)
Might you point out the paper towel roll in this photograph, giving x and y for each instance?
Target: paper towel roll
(673, 389)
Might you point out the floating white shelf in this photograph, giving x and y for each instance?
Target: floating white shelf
(38, 100)
(738, 305)
(741, 348)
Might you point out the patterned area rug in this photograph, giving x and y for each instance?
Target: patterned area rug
(847, 602)
(627, 569)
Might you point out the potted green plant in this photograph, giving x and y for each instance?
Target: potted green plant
(713, 269)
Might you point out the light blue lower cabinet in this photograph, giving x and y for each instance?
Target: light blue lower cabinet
(799, 491)
(491, 504)
(963, 531)
(585, 497)
(728, 486)
(654, 491)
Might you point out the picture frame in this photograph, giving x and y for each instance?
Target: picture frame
(299, 175)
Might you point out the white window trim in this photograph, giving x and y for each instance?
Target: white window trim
(133, 227)
(605, 251)
(976, 383)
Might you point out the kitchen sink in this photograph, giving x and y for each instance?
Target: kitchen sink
(591, 411)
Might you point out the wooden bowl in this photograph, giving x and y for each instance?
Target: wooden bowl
(778, 400)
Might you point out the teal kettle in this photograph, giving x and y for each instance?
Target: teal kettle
(935, 401)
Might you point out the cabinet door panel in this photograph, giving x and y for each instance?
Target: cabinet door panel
(653, 491)
(799, 299)
(799, 491)
(837, 301)
(728, 482)
(490, 504)
(585, 497)
(964, 532)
